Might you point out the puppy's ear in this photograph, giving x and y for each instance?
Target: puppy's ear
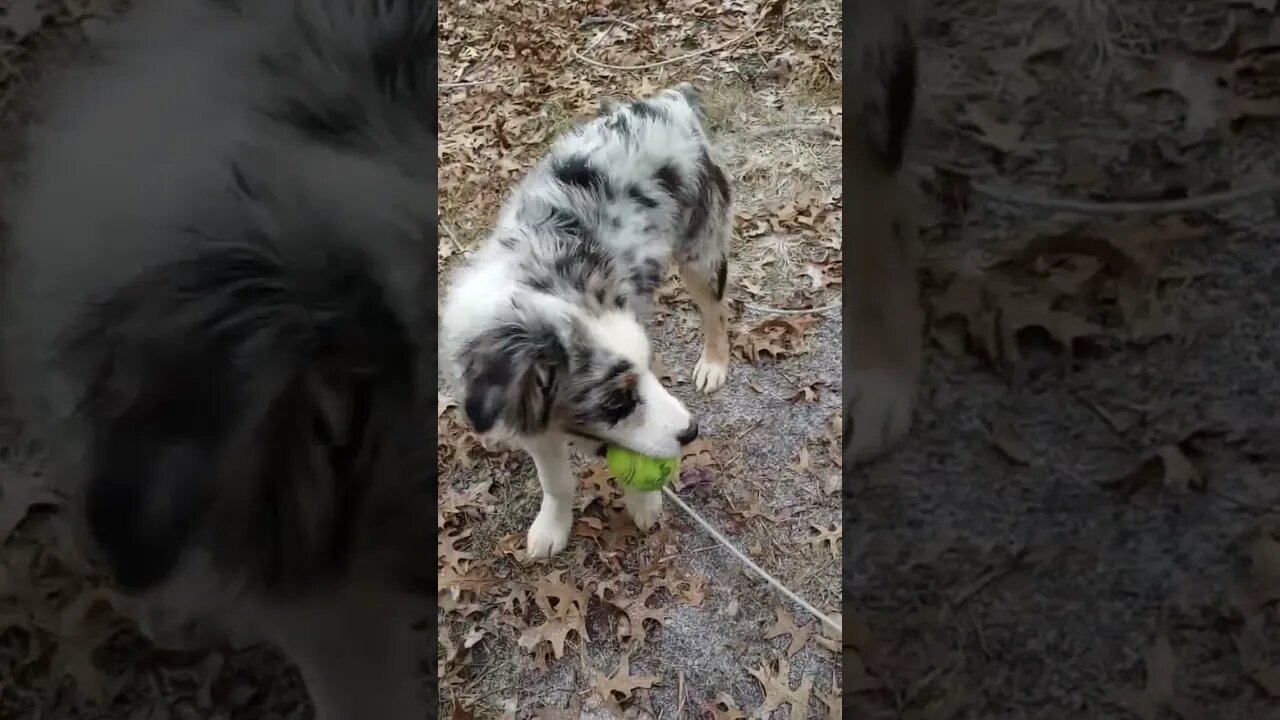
(690, 93)
(224, 410)
(515, 372)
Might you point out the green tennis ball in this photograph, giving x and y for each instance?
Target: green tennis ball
(640, 472)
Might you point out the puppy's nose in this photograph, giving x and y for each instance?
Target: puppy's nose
(689, 434)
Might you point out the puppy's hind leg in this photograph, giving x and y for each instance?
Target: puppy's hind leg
(705, 275)
(549, 533)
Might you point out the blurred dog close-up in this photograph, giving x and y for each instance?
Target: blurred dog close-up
(882, 345)
(218, 311)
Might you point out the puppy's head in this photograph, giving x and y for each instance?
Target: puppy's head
(240, 403)
(586, 375)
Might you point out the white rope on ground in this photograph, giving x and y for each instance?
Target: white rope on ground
(1088, 207)
(749, 563)
(791, 311)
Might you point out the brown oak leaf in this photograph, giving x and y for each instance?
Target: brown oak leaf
(831, 537)
(1158, 691)
(775, 680)
(637, 613)
(447, 553)
(723, 707)
(621, 682)
(786, 625)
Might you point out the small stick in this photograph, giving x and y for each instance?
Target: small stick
(787, 311)
(472, 83)
(1155, 207)
(794, 127)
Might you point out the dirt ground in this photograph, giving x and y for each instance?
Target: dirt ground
(1086, 534)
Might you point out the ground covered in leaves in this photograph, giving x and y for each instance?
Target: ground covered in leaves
(667, 624)
(1083, 523)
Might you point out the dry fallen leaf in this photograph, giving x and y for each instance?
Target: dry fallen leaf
(1259, 582)
(555, 633)
(806, 394)
(22, 18)
(786, 625)
(1167, 468)
(1158, 692)
(20, 493)
(830, 537)
(724, 707)
(775, 681)
(773, 339)
(447, 553)
(621, 682)
(1009, 443)
(1196, 82)
(638, 612)
(1018, 315)
(1003, 136)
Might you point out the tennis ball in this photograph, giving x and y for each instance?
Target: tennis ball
(640, 472)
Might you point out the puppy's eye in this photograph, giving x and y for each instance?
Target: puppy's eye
(619, 402)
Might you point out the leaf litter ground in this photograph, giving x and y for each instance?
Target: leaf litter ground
(1082, 525)
(669, 624)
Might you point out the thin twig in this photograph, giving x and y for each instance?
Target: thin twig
(607, 20)
(472, 83)
(989, 576)
(1102, 414)
(1198, 202)
(647, 66)
(796, 128)
(788, 311)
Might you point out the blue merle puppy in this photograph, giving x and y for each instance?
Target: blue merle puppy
(543, 329)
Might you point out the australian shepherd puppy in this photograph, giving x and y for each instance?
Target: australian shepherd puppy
(218, 303)
(544, 332)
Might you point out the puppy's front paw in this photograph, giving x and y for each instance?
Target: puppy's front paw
(878, 407)
(644, 508)
(708, 376)
(549, 533)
